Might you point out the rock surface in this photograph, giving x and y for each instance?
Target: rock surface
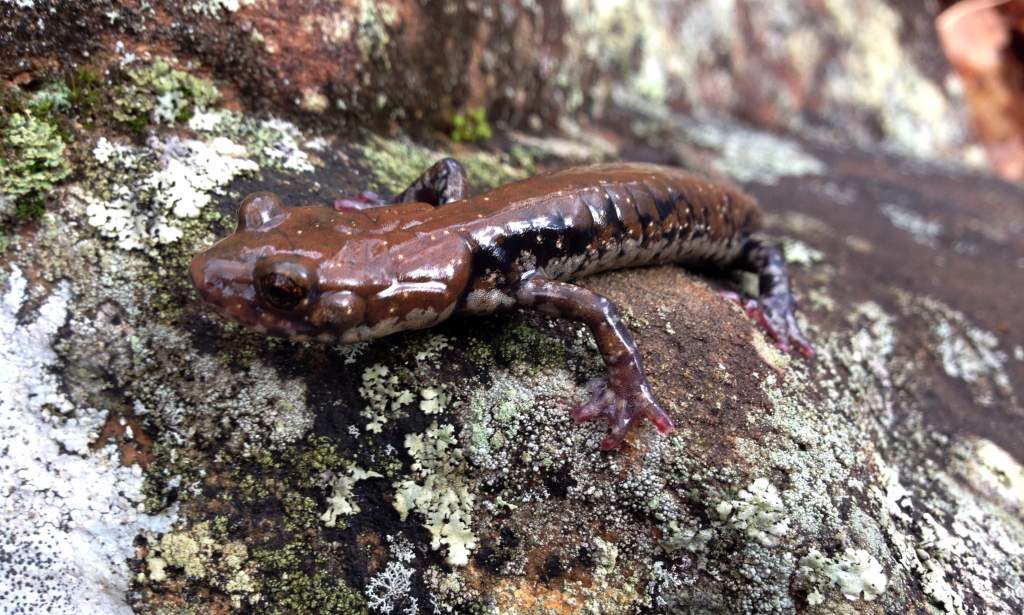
(864, 71)
(155, 458)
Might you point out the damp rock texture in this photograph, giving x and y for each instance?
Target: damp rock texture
(867, 72)
(157, 459)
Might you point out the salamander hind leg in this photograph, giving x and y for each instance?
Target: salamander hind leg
(624, 397)
(775, 307)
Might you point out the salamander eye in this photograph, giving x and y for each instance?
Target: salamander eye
(285, 282)
(282, 292)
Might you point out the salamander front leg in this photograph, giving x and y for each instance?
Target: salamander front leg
(367, 199)
(444, 182)
(624, 397)
(775, 307)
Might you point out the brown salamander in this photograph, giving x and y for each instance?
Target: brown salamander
(368, 268)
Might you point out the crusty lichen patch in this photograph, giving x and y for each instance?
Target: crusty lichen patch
(200, 555)
(965, 351)
(159, 93)
(855, 572)
(757, 511)
(148, 196)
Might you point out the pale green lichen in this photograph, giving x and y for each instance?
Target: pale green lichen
(433, 400)
(145, 197)
(921, 229)
(212, 8)
(877, 73)
(388, 391)
(799, 253)
(757, 511)
(33, 164)
(749, 155)
(341, 503)
(507, 426)
(273, 143)
(856, 573)
(384, 396)
(158, 93)
(199, 554)
(687, 538)
(624, 44)
(375, 21)
(965, 351)
(55, 96)
(163, 187)
(438, 490)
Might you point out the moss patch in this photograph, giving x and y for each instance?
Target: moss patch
(524, 346)
(471, 126)
(394, 164)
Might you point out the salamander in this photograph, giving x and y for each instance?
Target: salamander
(367, 267)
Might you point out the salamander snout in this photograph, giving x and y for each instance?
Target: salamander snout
(273, 294)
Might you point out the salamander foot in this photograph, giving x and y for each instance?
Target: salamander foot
(776, 316)
(622, 409)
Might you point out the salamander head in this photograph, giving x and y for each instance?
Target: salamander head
(316, 272)
(265, 274)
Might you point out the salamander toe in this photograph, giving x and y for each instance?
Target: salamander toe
(622, 409)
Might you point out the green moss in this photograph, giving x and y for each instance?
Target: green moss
(480, 353)
(321, 456)
(300, 512)
(290, 590)
(490, 170)
(267, 459)
(84, 91)
(34, 164)
(160, 93)
(471, 126)
(394, 164)
(524, 346)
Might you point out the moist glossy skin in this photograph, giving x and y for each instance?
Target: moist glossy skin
(366, 269)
